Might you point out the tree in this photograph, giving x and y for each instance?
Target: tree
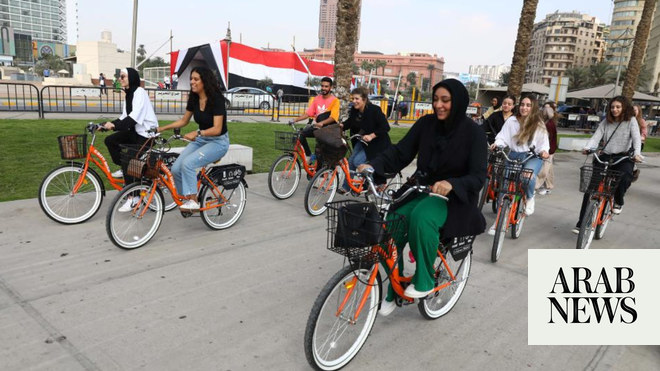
(141, 53)
(49, 61)
(638, 49)
(366, 66)
(521, 49)
(411, 78)
(600, 74)
(431, 68)
(504, 78)
(266, 82)
(380, 64)
(642, 80)
(578, 78)
(348, 17)
(355, 68)
(312, 82)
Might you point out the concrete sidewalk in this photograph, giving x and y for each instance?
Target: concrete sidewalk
(238, 299)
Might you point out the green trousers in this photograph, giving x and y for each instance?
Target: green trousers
(424, 216)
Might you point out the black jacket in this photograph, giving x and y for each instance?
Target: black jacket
(454, 150)
(372, 120)
(492, 125)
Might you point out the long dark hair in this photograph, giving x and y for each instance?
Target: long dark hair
(531, 123)
(626, 109)
(211, 87)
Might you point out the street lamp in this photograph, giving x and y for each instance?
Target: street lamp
(618, 66)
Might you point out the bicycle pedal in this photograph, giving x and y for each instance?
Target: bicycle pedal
(186, 214)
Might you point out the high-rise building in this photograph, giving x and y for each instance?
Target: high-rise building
(562, 41)
(625, 18)
(652, 56)
(44, 20)
(328, 24)
(489, 73)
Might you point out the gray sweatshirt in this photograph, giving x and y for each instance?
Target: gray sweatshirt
(622, 139)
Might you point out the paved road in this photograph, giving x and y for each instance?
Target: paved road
(196, 299)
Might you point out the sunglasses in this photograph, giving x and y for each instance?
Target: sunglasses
(122, 76)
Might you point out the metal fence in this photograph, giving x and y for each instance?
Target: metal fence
(19, 97)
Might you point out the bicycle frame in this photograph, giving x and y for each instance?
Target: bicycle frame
(513, 210)
(602, 202)
(96, 157)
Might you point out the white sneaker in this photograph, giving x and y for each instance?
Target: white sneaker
(190, 205)
(118, 174)
(386, 307)
(411, 292)
(616, 210)
(542, 192)
(491, 231)
(529, 208)
(128, 205)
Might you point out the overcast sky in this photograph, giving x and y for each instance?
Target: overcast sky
(463, 32)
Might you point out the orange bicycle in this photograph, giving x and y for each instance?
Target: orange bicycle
(511, 182)
(345, 311)
(323, 186)
(600, 182)
(221, 194)
(488, 193)
(284, 174)
(72, 193)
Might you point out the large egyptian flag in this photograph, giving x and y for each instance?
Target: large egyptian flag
(241, 65)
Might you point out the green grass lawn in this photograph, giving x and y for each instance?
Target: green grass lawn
(29, 150)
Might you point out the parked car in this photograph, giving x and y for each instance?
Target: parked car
(245, 97)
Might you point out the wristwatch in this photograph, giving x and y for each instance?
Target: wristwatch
(199, 132)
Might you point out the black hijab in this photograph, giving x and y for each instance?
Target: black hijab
(133, 84)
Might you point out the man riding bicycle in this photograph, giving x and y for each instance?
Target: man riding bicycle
(324, 109)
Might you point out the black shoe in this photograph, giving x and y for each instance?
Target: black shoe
(616, 210)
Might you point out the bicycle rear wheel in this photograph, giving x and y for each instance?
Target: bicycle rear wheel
(134, 228)
(441, 302)
(58, 201)
(232, 204)
(605, 218)
(587, 225)
(333, 339)
(320, 190)
(284, 177)
(516, 229)
(500, 230)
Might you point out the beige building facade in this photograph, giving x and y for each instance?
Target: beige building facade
(562, 41)
(101, 56)
(625, 18)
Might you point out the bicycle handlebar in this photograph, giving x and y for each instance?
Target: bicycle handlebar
(368, 175)
(531, 152)
(358, 137)
(593, 151)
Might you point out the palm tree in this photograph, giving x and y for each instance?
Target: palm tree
(431, 68)
(411, 77)
(366, 66)
(638, 49)
(380, 64)
(600, 74)
(348, 17)
(578, 78)
(521, 49)
(642, 79)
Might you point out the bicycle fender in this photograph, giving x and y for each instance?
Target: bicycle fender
(91, 171)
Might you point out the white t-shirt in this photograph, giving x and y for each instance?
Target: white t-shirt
(511, 127)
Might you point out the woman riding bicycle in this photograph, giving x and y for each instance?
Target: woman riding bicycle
(209, 142)
(369, 121)
(619, 132)
(451, 152)
(494, 123)
(521, 132)
(137, 118)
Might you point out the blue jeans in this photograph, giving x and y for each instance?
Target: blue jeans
(358, 157)
(533, 163)
(203, 151)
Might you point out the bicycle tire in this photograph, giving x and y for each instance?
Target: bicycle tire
(226, 215)
(57, 202)
(605, 217)
(493, 203)
(284, 182)
(587, 229)
(500, 230)
(516, 229)
(441, 302)
(168, 200)
(320, 190)
(133, 229)
(317, 333)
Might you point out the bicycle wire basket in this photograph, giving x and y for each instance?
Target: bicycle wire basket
(73, 146)
(591, 178)
(140, 161)
(505, 174)
(354, 228)
(285, 140)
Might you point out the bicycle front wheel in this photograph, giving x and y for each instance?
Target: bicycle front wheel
(588, 225)
(441, 302)
(168, 199)
(229, 205)
(333, 336)
(516, 228)
(320, 190)
(130, 229)
(60, 203)
(500, 229)
(605, 220)
(284, 177)
(483, 195)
